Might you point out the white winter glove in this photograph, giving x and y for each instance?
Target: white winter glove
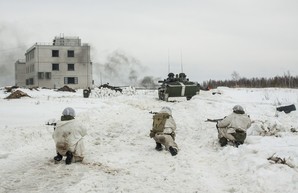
(167, 130)
(231, 130)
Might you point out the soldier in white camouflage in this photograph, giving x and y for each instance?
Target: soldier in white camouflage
(163, 131)
(68, 136)
(233, 127)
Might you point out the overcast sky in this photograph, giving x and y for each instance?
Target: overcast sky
(210, 38)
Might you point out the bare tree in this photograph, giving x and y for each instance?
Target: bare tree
(235, 77)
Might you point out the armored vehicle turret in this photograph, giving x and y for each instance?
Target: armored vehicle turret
(178, 86)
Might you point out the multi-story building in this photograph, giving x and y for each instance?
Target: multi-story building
(20, 69)
(66, 61)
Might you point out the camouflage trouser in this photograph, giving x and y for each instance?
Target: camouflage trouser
(166, 140)
(77, 149)
(238, 136)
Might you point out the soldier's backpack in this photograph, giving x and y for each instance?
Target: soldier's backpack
(159, 121)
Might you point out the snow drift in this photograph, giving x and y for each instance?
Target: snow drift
(121, 156)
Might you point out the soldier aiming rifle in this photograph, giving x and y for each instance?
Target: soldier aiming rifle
(233, 127)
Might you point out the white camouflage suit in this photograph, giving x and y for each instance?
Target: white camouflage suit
(231, 123)
(170, 127)
(68, 136)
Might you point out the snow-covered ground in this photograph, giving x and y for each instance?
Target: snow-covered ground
(120, 154)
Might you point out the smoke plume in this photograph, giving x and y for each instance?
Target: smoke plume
(12, 48)
(119, 69)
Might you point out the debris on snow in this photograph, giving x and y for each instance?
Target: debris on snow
(118, 89)
(106, 92)
(287, 109)
(106, 169)
(66, 88)
(34, 88)
(269, 128)
(294, 130)
(279, 160)
(17, 94)
(10, 88)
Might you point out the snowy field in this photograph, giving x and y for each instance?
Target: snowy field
(120, 155)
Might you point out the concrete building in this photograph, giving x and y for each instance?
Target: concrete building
(20, 76)
(66, 61)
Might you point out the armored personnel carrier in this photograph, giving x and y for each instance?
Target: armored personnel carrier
(178, 86)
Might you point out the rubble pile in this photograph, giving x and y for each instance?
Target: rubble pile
(10, 88)
(17, 94)
(66, 89)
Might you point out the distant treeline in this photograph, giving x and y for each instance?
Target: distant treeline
(278, 81)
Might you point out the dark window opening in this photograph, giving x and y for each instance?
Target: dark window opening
(70, 67)
(40, 75)
(55, 67)
(55, 53)
(48, 75)
(30, 81)
(70, 80)
(70, 53)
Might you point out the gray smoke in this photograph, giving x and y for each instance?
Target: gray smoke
(119, 69)
(12, 48)
(149, 82)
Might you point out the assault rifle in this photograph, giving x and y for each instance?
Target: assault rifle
(214, 120)
(54, 124)
(51, 122)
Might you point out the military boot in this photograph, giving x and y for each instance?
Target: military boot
(58, 157)
(69, 157)
(158, 146)
(173, 150)
(237, 143)
(223, 141)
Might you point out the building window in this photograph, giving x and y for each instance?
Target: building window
(55, 53)
(70, 67)
(30, 55)
(40, 75)
(48, 75)
(31, 68)
(55, 67)
(70, 53)
(70, 80)
(30, 81)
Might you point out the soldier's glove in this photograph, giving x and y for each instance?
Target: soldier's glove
(152, 134)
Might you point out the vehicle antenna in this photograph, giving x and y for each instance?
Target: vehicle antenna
(181, 60)
(169, 67)
(100, 77)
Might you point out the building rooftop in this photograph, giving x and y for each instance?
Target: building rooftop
(60, 41)
(21, 61)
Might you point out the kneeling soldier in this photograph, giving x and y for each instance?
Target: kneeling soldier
(163, 131)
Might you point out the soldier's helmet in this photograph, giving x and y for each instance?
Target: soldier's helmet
(166, 110)
(238, 109)
(182, 75)
(171, 75)
(69, 111)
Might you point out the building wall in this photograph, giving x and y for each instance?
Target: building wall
(39, 66)
(20, 67)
